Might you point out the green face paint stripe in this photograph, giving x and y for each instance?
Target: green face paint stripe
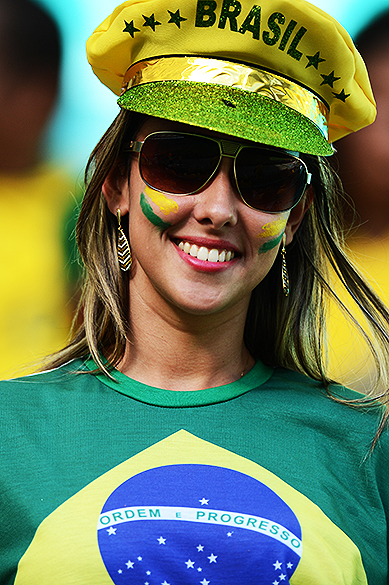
(149, 213)
(271, 244)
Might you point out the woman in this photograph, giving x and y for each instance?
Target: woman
(191, 419)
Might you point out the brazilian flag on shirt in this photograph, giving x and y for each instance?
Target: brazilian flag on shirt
(186, 511)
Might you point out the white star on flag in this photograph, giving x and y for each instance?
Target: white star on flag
(282, 577)
(204, 582)
(212, 558)
(204, 502)
(200, 548)
(289, 565)
(162, 540)
(189, 564)
(277, 565)
(130, 565)
(111, 530)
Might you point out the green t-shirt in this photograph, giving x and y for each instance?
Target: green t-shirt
(262, 481)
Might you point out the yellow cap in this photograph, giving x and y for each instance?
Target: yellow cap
(283, 73)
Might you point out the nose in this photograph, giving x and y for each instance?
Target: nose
(217, 204)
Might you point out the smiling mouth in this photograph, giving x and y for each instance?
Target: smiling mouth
(206, 254)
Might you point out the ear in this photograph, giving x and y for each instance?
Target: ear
(297, 214)
(116, 191)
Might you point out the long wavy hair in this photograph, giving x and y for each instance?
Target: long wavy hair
(281, 331)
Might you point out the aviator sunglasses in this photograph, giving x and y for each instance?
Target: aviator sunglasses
(180, 163)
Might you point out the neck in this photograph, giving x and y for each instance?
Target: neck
(174, 350)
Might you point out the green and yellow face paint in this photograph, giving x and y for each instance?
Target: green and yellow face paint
(155, 204)
(274, 230)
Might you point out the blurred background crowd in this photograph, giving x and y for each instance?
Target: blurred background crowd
(53, 111)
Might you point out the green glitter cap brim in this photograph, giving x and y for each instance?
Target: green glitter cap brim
(228, 110)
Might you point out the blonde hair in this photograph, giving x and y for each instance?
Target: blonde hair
(284, 332)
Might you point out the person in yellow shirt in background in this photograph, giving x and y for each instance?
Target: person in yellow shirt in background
(36, 198)
(363, 164)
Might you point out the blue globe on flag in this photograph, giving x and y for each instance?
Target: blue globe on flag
(198, 524)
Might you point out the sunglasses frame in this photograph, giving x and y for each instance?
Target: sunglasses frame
(229, 149)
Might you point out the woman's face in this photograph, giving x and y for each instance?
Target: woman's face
(201, 253)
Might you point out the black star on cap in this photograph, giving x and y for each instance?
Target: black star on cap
(329, 79)
(130, 28)
(314, 60)
(341, 96)
(175, 18)
(150, 21)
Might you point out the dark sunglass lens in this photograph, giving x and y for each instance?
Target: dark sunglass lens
(270, 181)
(178, 163)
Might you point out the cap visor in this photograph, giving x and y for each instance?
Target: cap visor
(228, 110)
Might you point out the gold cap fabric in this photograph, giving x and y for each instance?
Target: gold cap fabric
(283, 73)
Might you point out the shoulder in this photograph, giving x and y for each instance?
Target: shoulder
(335, 411)
(289, 380)
(50, 403)
(46, 376)
(33, 388)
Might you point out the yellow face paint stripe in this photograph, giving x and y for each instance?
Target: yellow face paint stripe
(165, 204)
(273, 228)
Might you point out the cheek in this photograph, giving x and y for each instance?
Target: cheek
(158, 208)
(271, 234)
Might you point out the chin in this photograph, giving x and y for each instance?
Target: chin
(206, 305)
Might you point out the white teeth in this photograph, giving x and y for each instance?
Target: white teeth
(202, 254)
(205, 254)
(193, 250)
(213, 256)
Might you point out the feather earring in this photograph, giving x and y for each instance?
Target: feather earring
(284, 270)
(123, 247)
